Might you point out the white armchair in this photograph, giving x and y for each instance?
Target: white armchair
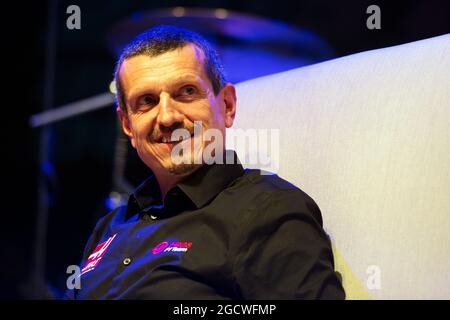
(367, 136)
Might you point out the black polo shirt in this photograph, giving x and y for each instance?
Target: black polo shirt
(222, 233)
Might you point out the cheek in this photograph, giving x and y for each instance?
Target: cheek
(200, 112)
(218, 114)
(141, 127)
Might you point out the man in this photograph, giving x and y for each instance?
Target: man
(196, 229)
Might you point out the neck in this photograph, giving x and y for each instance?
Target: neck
(167, 180)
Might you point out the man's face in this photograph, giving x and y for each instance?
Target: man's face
(167, 92)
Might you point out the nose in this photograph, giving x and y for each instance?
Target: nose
(168, 116)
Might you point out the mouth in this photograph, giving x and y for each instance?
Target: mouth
(169, 140)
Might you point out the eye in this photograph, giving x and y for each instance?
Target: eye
(188, 90)
(147, 100)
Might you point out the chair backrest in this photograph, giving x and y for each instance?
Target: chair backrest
(367, 136)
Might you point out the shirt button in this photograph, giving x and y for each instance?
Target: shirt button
(126, 261)
(153, 217)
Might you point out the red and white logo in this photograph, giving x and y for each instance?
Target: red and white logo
(172, 247)
(97, 255)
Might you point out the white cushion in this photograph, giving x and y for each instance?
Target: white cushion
(367, 136)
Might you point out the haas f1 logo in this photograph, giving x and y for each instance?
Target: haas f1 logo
(97, 255)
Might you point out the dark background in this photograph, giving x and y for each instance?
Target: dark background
(82, 148)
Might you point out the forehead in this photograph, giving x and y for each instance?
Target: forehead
(185, 62)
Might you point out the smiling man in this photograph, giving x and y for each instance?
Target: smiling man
(198, 229)
(165, 92)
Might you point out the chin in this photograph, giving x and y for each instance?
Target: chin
(177, 168)
(162, 161)
(182, 169)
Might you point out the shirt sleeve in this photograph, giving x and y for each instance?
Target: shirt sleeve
(285, 252)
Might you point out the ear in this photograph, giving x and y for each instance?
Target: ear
(125, 121)
(229, 99)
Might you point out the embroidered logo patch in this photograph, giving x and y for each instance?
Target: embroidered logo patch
(172, 247)
(97, 255)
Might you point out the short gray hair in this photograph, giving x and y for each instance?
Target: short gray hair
(161, 39)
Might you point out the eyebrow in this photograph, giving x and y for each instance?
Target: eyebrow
(188, 77)
(140, 90)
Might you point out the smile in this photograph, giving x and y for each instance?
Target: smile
(170, 139)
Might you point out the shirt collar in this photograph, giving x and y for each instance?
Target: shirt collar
(196, 190)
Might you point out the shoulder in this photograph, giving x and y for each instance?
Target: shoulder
(103, 228)
(277, 196)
